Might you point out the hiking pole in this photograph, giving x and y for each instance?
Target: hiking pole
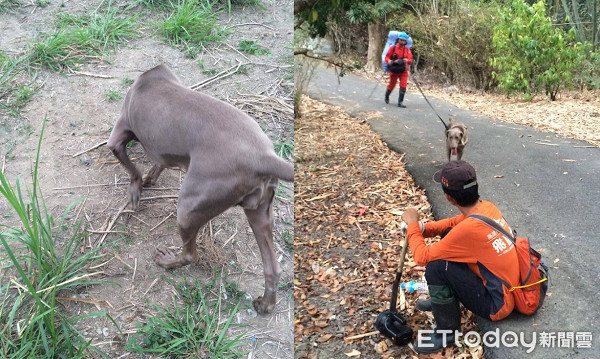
(391, 323)
(429, 103)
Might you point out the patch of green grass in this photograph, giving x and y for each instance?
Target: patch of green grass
(159, 5)
(231, 3)
(107, 28)
(190, 328)
(113, 95)
(288, 240)
(252, 47)
(211, 71)
(47, 263)
(9, 5)
(126, 82)
(280, 194)
(192, 23)
(80, 37)
(284, 149)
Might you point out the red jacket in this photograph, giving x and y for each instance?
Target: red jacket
(402, 51)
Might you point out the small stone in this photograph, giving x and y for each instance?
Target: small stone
(252, 313)
(105, 332)
(99, 331)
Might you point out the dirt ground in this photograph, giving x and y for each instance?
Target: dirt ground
(79, 116)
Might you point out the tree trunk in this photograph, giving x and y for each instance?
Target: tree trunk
(377, 37)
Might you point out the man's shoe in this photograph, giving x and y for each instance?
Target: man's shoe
(447, 318)
(401, 98)
(424, 305)
(387, 96)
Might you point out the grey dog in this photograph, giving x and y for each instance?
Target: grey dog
(228, 161)
(456, 139)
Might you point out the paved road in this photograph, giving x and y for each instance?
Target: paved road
(549, 193)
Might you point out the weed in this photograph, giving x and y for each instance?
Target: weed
(113, 95)
(31, 322)
(252, 47)
(190, 328)
(126, 82)
(211, 71)
(284, 149)
(288, 239)
(191, 24)
(108, 29)
(8, 5)
(57, 51)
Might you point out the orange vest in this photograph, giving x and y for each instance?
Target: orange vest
(490, 255)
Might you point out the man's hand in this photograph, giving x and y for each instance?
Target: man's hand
(390, 62)
(410, 216)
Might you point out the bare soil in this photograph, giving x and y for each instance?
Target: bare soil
(79, 115)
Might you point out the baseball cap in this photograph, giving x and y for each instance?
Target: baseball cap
(456, 175)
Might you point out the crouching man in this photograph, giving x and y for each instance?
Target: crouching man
(472, 263)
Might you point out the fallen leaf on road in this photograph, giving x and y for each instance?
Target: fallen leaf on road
(353, 353)
(499, 176)
(381, 347)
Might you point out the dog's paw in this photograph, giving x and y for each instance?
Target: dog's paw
(262, 307)
(166, 259)
(134, 193)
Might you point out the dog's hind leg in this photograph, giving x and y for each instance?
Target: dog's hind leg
(152, 175)
(197, 204)
(261, 222)
(117, 143)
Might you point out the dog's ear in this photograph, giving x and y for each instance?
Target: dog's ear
(465, 138)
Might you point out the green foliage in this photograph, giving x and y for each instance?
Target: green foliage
(191, 328)
(284, 149)
(9, 5)
(192, 24)
(530, 54)
(346, 11)
(252, 47)
(458, 47)
(80, 37)
(113, 95)
(45, 260)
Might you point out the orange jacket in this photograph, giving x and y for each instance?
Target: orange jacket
(490, 255)
(401, 51)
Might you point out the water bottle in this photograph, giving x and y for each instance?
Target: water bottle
(404, 226)
(417, 286)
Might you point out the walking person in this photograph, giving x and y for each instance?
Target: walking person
(398, 58)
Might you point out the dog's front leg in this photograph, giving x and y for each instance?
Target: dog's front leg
(117, 143)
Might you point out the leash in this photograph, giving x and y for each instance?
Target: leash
(429, 103)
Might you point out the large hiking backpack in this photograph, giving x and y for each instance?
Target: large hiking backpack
(392, 36)
(529, 296)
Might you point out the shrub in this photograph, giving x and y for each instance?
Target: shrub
(531, 55)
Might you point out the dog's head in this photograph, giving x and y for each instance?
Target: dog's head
(456, 136)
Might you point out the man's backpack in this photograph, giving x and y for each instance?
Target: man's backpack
(529, 296)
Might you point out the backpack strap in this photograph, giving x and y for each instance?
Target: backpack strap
(490, 222)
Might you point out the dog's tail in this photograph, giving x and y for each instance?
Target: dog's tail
(272, 165)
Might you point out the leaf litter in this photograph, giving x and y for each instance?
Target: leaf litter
(350, 192)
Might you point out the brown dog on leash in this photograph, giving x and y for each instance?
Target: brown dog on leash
(228, 161)
(456, 139)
